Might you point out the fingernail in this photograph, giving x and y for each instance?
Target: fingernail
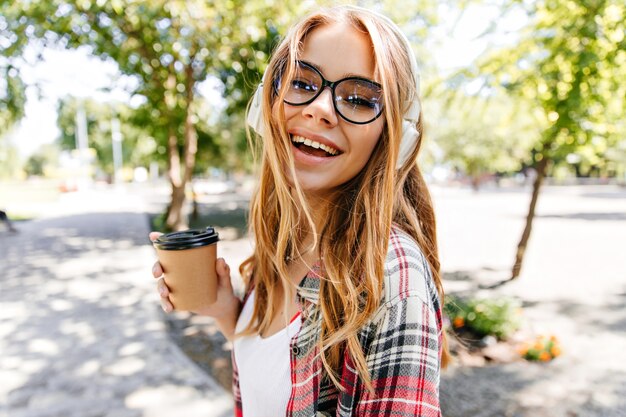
(162, 290)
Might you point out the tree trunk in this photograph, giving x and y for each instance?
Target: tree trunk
(176, 219)
(195, 213)
(521, 247)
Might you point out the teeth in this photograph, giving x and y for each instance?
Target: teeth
(314, 144)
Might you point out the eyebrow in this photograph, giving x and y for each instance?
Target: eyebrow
(345, 75)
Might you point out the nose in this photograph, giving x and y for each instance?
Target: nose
(322, 109)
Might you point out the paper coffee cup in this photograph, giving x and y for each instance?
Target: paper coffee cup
(188, 262)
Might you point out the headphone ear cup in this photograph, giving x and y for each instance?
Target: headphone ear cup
(410, 136)
(255, 112)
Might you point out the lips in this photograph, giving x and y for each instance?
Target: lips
(313, 147)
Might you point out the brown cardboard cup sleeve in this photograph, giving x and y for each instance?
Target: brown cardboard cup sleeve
(188, 262)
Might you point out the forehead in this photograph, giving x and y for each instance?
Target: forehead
(339, 49)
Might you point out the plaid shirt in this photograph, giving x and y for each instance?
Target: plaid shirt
(401, 342)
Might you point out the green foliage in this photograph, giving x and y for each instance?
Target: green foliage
(138, 147)
(12, 95)
(481, 135)
(498, 317)
(9, 160)
(42, 162)
(542, 349)
(12, 88)
(34, 165)
(570, 63)
(170, 47)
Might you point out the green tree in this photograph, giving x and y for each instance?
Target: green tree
(481, 135)
(12, 89)
(9, 159)
(138, 147)
(12, 95)
(170, 48)
(46, 158)
(569, 63)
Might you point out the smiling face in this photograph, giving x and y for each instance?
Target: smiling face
(329, 150)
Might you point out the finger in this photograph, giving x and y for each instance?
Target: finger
(222, 267)
(162, 288)
(166, 306)
(154, 235)
(223, 272)
(157, 270)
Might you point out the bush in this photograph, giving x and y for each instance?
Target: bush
(497, 317)
(542, 349)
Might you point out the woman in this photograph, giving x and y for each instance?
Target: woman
(342, 314)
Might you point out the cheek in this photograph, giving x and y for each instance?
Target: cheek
(288, 111)
(370, 137)
(275, 110)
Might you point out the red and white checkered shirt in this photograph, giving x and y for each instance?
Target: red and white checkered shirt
(402, 343)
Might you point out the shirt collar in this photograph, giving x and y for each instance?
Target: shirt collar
(309, 288)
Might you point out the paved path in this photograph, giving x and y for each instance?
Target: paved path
(81, 334)
(573, 285)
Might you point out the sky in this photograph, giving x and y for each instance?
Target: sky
(75, 73)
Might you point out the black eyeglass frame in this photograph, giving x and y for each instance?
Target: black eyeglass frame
(332, 85)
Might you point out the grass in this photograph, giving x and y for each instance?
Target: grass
(20, 192)
(21, 199)
(21, 216)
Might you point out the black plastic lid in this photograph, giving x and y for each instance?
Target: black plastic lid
(187, 239)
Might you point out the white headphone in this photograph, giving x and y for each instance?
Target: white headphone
(410, 135)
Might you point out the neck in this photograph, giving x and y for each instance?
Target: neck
(317, 208)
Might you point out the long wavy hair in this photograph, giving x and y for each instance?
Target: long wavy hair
(354, 240)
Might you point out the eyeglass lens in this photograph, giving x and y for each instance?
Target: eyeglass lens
(357, 100)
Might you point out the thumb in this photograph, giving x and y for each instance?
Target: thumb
(223, 273)
(154, 235)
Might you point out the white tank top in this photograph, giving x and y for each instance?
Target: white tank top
(264, 366)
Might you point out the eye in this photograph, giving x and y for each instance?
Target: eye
(361, 101)
(303, 84)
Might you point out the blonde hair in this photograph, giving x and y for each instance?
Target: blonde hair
(354, 241)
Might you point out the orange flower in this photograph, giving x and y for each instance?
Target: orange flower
(553, 338)
(555, 351)
(544, 356)
(458, 322)
(539, 345)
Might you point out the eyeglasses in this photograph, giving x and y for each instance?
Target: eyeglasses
(356, 99)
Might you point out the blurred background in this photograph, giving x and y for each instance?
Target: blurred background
(124, 116)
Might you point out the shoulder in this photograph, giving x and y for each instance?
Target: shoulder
(407, 271)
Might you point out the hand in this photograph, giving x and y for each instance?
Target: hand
(157, 272)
